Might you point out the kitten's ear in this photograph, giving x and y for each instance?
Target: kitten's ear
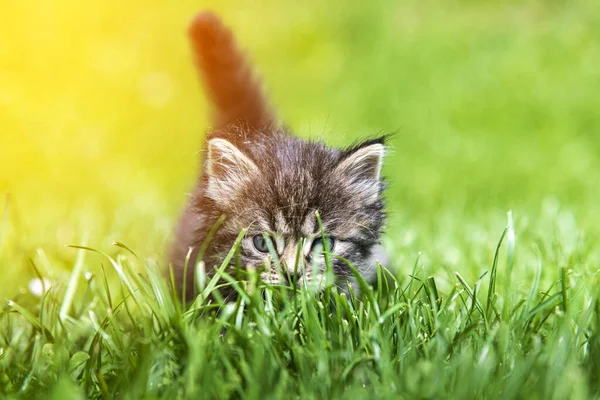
(362, 168)
(228, 170)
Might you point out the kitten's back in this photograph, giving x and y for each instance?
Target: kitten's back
(235, 92)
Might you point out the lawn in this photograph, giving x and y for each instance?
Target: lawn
(492, 288)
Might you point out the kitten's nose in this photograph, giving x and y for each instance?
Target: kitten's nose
(290, 277)
(291, 272)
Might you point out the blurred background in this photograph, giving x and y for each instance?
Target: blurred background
(495, 106)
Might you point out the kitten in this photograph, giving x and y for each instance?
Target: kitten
(263, 179)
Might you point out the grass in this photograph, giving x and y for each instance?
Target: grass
(401, 338)
(495, 108)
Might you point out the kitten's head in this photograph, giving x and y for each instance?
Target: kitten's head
(274, 186)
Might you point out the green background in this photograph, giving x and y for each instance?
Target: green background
(495, 106)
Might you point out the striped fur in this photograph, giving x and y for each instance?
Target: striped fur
(263, 179)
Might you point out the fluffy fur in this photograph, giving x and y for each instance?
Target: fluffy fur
(263, 179)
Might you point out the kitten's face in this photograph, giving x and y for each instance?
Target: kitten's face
(274, 191)
(301, 258)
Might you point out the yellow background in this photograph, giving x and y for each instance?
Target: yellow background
(494, 104)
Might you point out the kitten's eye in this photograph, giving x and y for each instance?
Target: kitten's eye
(318, 246)
(260, 243)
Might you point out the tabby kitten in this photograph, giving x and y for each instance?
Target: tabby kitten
(263, 179)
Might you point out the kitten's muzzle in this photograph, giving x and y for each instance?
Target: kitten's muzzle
(291, 272)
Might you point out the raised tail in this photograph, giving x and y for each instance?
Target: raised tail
(235, 92)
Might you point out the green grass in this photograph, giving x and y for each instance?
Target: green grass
(495, 108)
(403, 338)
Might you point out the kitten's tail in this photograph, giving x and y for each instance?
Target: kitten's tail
(234, 91)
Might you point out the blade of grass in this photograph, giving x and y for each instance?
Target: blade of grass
(510, 236)
(35, 322)
(494, 274)
(121, 245)
(73, 281)
(564, 288)
(126, 281)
